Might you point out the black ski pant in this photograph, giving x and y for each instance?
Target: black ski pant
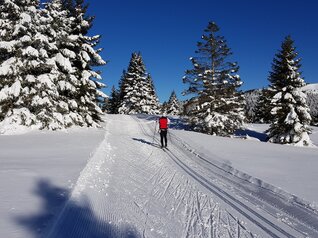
(163, 137)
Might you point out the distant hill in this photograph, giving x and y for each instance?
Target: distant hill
(311, 91)
(311, 88)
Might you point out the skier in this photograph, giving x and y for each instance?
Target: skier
(163, 130)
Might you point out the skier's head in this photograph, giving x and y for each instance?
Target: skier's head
(164, 114)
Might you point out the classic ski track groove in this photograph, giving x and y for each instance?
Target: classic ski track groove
(194, 216)
(304, 226)
(271, 202)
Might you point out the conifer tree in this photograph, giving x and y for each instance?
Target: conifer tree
(263, 107)
(75, 57)
(121, 87)
(150, 100)
(219, 106)
(28, 94)
(290, 112)
(137, 89)
(172, 107)
(312, 102)
(114, 101)
(45, 68)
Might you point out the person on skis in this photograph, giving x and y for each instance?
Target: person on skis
(163, 130)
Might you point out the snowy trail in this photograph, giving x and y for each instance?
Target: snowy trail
(289, 210)
(257, 203)
(131, 188)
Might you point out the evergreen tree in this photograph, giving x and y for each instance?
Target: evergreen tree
(263, 107)
(45, 70)
(288, 105)
(213, 80)
(251, 97)
(28, 94)
(312, 102)
(137, 89)
(172, 107)
(150, 100)
(114, 101)
(121, 87)
(75, 57)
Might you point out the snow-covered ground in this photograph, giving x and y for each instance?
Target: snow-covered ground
(311, 87)
(117, 182)
(37, 173)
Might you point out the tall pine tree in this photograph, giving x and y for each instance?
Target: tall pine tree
(290, 112)
(113, 102)
(75, 58)
(28, 94)
(219, 106)
(263, 107)
(137, 89)
(46, 67)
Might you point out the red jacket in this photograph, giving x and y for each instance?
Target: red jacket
(163, 123)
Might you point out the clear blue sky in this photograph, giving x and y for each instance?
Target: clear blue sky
(166, 33)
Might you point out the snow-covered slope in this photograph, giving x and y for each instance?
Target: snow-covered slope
(37, 172)
(203, 186)
(311, 87)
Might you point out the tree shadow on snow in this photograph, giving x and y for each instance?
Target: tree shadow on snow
(258, 135)
(64, 218)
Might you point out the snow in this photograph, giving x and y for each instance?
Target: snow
(38, 166)
(311, 87)
(6, 67)
(64, 63)
(30, 51)
(116, 182)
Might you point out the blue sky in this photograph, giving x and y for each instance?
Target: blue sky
(166, 33)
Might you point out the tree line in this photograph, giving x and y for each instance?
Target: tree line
(48, 78)
(217, 105)
(47, 61)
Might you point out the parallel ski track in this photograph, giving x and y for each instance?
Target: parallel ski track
(307, 220)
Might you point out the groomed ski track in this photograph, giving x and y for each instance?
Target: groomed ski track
(132, 188)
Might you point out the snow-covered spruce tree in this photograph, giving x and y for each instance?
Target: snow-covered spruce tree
(251, 98)
(150, 99)
(312, 101)
(28, 94)
(263, 107)
(75, 57)
(121, 89)
(219, 106)
(137, 90)
(173, 107)
(290, 112)
(113, 102)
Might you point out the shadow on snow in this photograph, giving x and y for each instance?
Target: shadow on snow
(258, 135)
(146, 142)
(64, 218)
(180, 123)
